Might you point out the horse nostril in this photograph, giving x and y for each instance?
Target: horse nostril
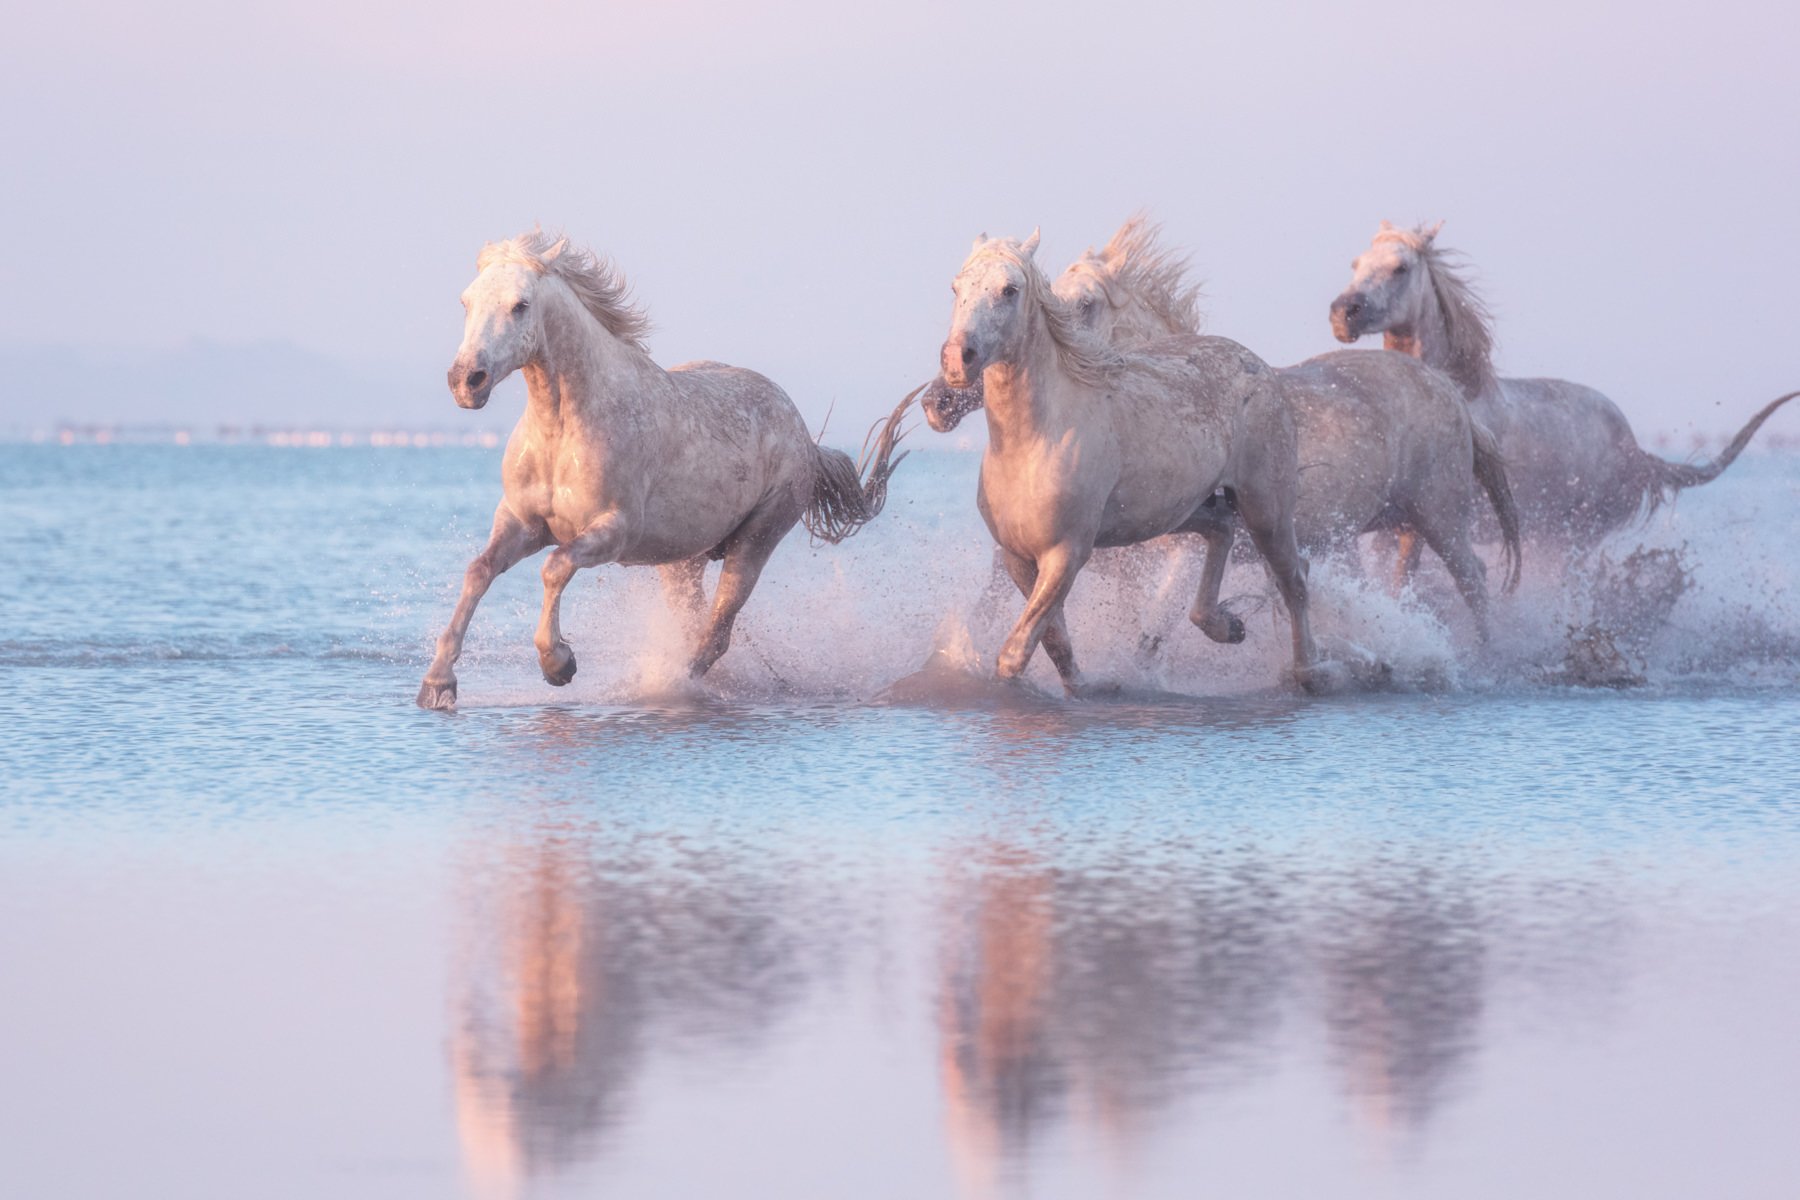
(476, 378)
(1352, 307)
(968, 355)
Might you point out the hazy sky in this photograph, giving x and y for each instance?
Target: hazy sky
(792, 186)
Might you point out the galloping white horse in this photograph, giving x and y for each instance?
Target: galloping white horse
(1148, 298)
(1088, 446)
(1384, 441)
(1577, 471)
(616, 460)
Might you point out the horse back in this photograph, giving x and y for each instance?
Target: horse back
(1578, 409)
(738, 407)
(1571, 455)
(1185, 412)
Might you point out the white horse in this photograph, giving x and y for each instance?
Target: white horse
(616, 460)
(1147, 298)
(1385, 442)
(1088, 446)
(1577, 471)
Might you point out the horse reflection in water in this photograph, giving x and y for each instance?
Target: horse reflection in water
(1107, 995)
(1105, 990)
(1080, 980)
(1097, 995)
(584, 957)
(1404, 966)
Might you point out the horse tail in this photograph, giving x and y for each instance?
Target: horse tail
(1660, 479)
(843, 499)
(1490, 471)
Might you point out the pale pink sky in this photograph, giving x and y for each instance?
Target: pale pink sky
(791, 186)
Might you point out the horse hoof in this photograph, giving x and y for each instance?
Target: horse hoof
(558, 665)
(1222, 627)
(1322, 678)
(440, 697)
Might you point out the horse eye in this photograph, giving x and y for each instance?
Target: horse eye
(1402, 268)
(1009, 291)
(1087, 305)
(520, 307)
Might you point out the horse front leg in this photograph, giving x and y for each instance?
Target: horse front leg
(599, 543)
(1046, 585)
(510, 541)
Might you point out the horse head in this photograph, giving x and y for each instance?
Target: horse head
(1087, 287)
(991, 314)
(503, 323)
(1389, 287)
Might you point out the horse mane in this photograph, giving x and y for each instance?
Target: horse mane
(1156, 275)
(1082, 355)
(1468, 325)
(596, 281)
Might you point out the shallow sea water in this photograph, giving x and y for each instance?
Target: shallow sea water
(829, 925)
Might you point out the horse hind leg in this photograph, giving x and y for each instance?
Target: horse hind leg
(747, 551)
(1454, 548)
(1208, 615)
(684, 586)
(1272, 532)
(598, 543)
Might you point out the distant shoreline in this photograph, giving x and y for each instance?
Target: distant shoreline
(1665, 443)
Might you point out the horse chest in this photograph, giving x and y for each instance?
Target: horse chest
(1034, 505)
(564, 491)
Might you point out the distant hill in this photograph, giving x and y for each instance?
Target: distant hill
(204, 384)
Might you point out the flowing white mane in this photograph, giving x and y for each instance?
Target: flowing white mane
(1468, 326)
(596, 282)
(1135, 261)
(1081, 354)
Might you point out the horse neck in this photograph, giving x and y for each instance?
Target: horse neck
(579, 369)
(1026, 395)
(1427, 338)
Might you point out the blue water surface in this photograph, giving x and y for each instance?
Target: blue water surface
(830, 924)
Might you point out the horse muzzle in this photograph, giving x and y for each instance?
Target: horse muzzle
(961, 362)
(946, 406)
(470, 385)
(1349, 315)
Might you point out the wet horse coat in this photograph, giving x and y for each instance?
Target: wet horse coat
(1576, 468)
(616, 460)
(1090, 447)
(1384, 442)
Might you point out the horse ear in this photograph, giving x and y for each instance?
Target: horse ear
(1029, 246)
(1431, 233)
(981, 240)
(556, 249)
